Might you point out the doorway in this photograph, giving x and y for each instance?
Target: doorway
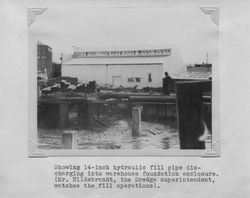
(117, 81)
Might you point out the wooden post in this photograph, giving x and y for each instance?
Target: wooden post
(98, 110)
(136, 121)
(38, 90)
(69, 140)
(190, 114)
(63, 115)
(82, 111)
(166, 112)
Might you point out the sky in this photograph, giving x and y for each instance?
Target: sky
(188, 29)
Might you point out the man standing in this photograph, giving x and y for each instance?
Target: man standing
(166, 84)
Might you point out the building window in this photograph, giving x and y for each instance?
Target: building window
(149, 77)
(130, 79)
(137, 79)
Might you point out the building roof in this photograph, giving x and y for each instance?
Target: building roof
(123, 53)
(196, 75)
(112, 60)
(123, 48)
(99, 53)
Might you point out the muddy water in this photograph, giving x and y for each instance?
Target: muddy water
(119, 137)
(116, 136)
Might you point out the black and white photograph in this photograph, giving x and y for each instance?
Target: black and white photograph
(124, 80)
(123, 98)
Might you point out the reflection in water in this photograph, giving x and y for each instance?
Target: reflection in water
(136, 143)
(166, 144)
(117, 136)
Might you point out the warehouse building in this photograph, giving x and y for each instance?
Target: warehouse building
(126, 68)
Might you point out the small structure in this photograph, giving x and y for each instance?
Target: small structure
(44, 59)
(56, 70)
(197, 72)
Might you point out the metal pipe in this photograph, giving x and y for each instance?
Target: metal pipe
(105, 96)
(159, 98)
(144, 97)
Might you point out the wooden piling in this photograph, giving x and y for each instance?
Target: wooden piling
(69, 140)
(136, 121)
(98, 110)
(82, 112)
(190, 114)
(63, 115)
(38, 90)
